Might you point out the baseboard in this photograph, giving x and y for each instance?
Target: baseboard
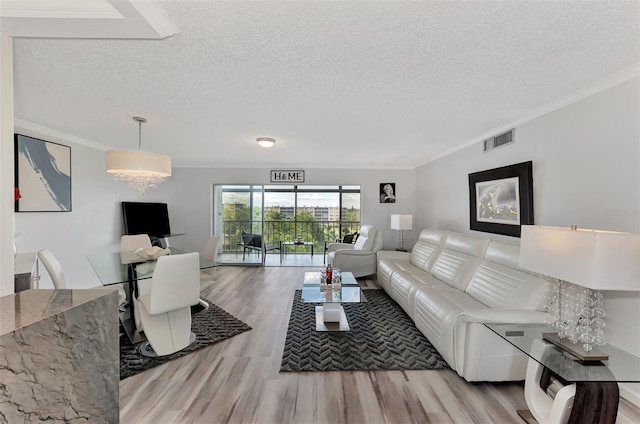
(630, 392)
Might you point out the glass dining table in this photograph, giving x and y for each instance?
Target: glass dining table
(128, 268)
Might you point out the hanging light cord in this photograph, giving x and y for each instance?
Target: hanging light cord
(140, 121)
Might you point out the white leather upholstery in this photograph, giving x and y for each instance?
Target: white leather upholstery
(459, 259)
(450, 285)
(390, 262)
(426, 250)
(436, 312)
(165, 313)
(359, 258)
(505, 286)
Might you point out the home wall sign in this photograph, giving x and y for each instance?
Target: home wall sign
(287, 176)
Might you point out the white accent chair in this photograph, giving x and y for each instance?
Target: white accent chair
(165, 312)
(359, 258)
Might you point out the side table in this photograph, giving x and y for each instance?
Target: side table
(559, 388)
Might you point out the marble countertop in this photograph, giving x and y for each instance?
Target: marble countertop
(27, 307)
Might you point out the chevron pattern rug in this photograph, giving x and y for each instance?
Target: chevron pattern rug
(210, 326)
(382, 337)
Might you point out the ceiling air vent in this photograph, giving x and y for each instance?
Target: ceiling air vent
(498, 141)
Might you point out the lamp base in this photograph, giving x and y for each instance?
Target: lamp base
(576, 349)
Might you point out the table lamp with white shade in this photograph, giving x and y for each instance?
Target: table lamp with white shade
(401, 223)
(583, 263)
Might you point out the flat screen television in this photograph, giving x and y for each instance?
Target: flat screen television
(146, 218)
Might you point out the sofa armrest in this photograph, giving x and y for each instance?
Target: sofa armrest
(480, 354)
(331, 247)
(502, 316)
(352, 252)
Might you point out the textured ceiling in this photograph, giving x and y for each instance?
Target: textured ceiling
(338, 84)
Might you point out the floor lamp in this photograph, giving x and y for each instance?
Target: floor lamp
(401, 223)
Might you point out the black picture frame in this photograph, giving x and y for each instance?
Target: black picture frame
(42, 174)
(501, 199)
(388, 193)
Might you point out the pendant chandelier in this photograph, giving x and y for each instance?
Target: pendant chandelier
(140, 170)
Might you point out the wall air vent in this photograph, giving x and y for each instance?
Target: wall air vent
(499, 140)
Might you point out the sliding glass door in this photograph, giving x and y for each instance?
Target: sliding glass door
(238, 210)
(283, 214)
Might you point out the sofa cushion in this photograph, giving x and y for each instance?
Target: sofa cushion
(390, 263)
(435, 315)
(404, 285)
(459, 259)
(426, 250)
(498, 283)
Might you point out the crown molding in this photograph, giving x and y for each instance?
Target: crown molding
(39, 131)
(610, 81)
(122, 19)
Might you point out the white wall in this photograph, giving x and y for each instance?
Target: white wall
(191, 197)
(6, 165)
(94, 225)
(586, 171)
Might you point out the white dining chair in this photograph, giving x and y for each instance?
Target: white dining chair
(55, 271)
(130, 243)
(53, 267)
(165, 312)
(211, 251)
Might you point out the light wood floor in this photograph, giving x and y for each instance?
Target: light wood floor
(237, 381)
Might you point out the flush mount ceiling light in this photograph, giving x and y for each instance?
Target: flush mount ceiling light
(266, 141)
(140, 170)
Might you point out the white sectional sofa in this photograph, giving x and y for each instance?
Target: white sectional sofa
(451, 284)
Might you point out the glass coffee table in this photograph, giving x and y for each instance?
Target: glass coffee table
(330, 315)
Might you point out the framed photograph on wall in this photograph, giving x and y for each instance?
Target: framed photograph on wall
(43, 175)
(501, 199)
(387, 192)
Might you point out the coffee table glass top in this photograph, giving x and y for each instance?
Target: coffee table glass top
(621, 366)
(313, 278)
(348, 291)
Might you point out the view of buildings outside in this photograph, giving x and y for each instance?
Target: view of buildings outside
(314, 215)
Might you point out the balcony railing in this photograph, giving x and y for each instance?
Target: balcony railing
(314, 231)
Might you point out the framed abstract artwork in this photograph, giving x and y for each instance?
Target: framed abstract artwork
(43, 175)
(501, 199)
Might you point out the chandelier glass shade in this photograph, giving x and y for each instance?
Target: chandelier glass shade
(140, 170)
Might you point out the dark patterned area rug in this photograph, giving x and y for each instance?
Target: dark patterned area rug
(210, 326)
(382, 337)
